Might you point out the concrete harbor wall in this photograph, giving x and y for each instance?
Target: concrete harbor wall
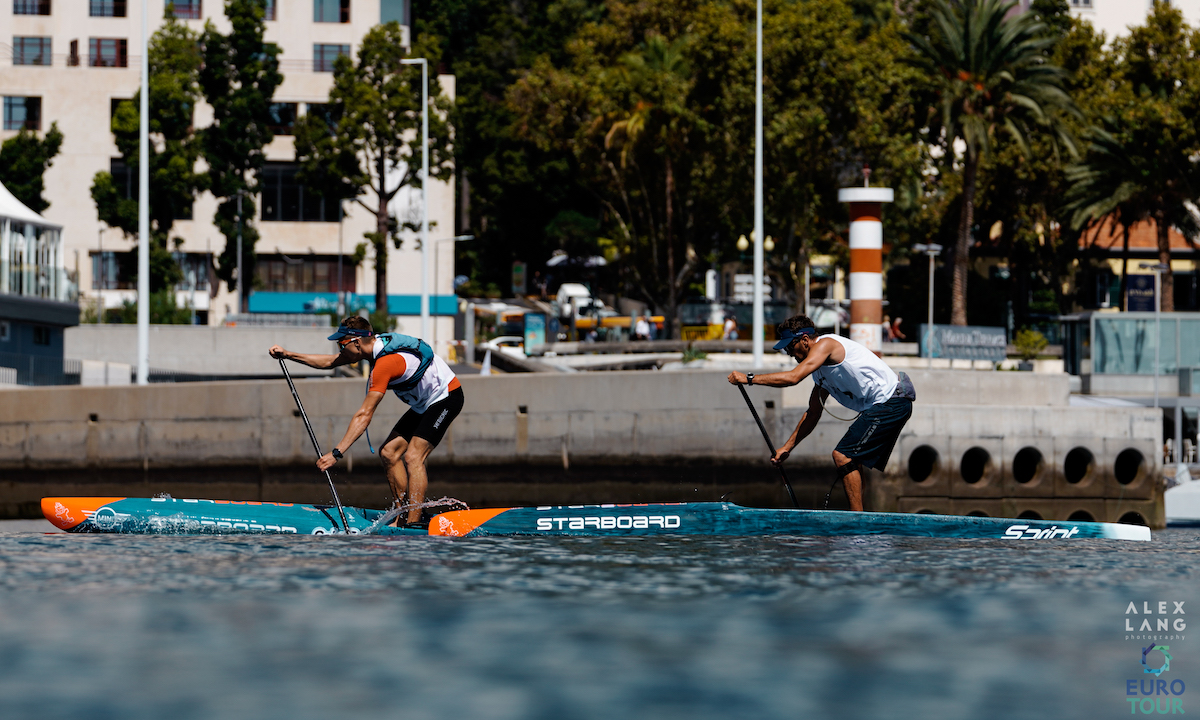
(587, 437)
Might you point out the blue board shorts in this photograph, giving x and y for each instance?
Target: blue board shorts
(872, 437)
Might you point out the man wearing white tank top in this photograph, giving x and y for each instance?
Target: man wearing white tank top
(859, 380)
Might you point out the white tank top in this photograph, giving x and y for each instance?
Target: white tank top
(859, 381)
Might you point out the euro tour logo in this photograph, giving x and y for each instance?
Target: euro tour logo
(1155, 694)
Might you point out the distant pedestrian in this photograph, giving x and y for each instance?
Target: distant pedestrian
(641, 329)
(730, 331)
(897, 336)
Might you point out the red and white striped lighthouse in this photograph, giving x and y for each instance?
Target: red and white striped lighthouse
(866, 262)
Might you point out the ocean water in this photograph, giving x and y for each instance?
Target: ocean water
(119, 627)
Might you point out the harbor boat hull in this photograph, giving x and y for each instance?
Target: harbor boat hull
(178, 516)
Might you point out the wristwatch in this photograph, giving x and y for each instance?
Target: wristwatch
(337, 454)
(749, 378)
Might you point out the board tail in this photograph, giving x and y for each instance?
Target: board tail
(459, 523)
(68, 512)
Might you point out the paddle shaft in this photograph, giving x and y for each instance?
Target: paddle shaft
(770, 445)
(316, 445)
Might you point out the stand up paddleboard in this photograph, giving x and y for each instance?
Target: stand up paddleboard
(172, 516)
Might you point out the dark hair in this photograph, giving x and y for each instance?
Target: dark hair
(796, 323)
(354, 322)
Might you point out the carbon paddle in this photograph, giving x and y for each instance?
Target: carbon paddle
(316, 446)
(770, 445)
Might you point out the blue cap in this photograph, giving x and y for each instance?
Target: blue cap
(344, 331)
(786, 339)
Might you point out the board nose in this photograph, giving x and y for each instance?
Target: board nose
(68, 512)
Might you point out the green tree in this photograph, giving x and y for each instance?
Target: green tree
(174, 149)
(660, 95)
(986, 73)
(1139, 165)
(239, 78)
(1019, 209)
(510, 190)
(371, 139)
(24, 160)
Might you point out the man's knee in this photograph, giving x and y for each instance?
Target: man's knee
(845, 465)
(414, 456)
(393, 452)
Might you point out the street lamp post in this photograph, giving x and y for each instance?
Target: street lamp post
(932, 250)
(1158, 269)
(424, 190)
(341, 298)
(757, 330)
(143, 283)
(437, 244)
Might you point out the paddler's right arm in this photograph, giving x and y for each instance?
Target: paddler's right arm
(320, 362)
(358, 426)
(816, 406)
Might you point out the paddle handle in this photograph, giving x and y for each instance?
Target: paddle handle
(316, 445)
(771, 446)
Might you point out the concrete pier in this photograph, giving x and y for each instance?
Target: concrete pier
(998, 442)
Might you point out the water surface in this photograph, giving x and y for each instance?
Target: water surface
(787, 627)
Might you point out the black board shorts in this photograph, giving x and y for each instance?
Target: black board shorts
(873, 435)
(430, 425)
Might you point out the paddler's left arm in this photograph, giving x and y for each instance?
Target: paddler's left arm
(358, 425)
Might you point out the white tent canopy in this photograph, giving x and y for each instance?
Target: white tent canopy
(13, 209)
(31, 253)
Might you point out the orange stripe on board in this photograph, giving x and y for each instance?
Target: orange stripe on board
(458, 523)
(67, 512)
(866, 260)
(866, 211)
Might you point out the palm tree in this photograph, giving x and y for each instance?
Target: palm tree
(1139, 166)
(1108, 184)
(986, 73)
(659, 73)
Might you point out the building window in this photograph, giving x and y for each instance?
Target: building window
(284, 199)
(308, 273)
(390, 10)
(41, 335)
(183, 9)
(1081, 3)
(196, 268)
(22, 113)
(323, 111)
(113, 105)
(270, 11)
(31, 7)
(108, 52)
(106, 8)
(283, 117)
(125, 178)
(324, 55)
(73, 56)
(31, 51)
(5, 331)
(331, 11)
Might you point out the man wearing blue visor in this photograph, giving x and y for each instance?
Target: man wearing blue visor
(408, 367)
(859, 380)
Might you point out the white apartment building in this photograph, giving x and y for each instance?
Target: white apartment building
(72, 61)
(1115, 17)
